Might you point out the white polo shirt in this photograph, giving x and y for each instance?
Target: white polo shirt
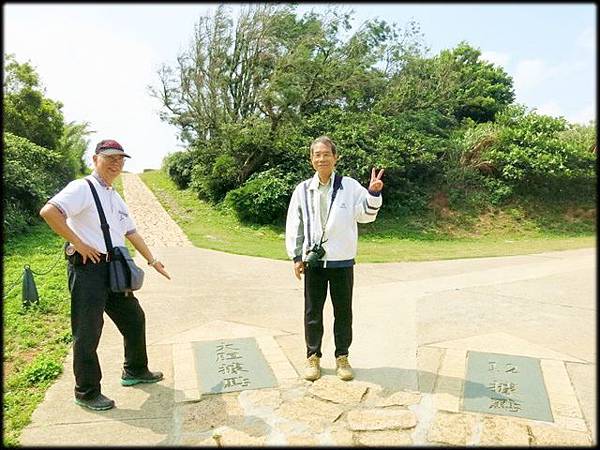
(76, 202)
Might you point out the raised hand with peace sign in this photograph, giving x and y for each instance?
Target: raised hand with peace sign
(376, 185)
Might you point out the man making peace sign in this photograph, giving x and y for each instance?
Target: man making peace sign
(321, 237)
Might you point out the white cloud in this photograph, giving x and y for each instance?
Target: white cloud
(550, 108)
(554, 109)
(497, 58)
(529, 73)
(583, 116)
(100, 77)
(587, 39)
(534, 74)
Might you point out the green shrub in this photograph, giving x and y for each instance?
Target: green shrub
(32, 174)
(522, 154)
(475, 164)
(16, 219)
(532, 151)
(179, 166)
(214, 185)
(263, 198)
(408, 145)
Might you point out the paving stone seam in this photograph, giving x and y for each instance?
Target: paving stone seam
(525, 299)
(439, 367)
(99, 421)
(531, 436)
(579, 405)
(476, 431)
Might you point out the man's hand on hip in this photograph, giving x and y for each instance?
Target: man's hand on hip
(87, 252)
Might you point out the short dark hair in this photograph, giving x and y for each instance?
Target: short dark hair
(326, 140)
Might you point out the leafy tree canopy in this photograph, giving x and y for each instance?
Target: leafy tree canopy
(455, 82)
(27, 111)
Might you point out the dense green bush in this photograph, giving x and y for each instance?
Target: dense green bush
(32, 174)
(408, 145)
(263, 198)
(466, 173)
(179, 166)
(474, 163)
(521, 153)
(534, 153)
(531, 149)
(213, 186)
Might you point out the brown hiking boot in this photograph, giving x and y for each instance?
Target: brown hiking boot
(313, 370)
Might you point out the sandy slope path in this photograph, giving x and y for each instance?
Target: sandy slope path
(153, 222)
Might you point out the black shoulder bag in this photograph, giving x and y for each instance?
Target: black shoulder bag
(123, 274)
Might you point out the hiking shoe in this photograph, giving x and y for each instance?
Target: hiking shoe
(313, 370)
(100, 403)
(148, 377)
(343, 369)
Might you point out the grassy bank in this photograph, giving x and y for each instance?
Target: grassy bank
(208, 227)
(36, 339)
(438, 234)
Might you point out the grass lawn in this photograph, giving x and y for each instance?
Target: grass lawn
(36, 339)
(439, 235)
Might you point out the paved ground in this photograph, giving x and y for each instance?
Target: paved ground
(414, 324)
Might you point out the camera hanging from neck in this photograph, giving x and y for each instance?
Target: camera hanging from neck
(317, 252)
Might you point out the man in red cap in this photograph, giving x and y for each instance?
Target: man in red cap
(72, 214)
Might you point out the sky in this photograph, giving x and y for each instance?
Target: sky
(99, 59)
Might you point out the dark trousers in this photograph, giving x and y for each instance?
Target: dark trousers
(90, 298)
(316, 281)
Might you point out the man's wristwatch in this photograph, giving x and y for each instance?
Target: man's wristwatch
(154, 261)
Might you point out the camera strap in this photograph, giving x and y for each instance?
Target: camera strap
(337, 182)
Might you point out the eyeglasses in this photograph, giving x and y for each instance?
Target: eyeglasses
(114, 158)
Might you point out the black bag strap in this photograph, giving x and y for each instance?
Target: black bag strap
(103, 223)
(337, 183)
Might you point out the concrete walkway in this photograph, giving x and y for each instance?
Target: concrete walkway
(414, 326)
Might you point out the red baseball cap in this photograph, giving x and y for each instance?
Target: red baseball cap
(110, 147)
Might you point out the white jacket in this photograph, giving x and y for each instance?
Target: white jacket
(303, 229)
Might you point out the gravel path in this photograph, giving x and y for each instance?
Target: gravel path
(152, 221)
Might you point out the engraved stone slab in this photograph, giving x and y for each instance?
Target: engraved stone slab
(228, 365)
(506, 385)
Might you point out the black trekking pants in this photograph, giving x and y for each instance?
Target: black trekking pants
(340, 282)
(90, 298)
